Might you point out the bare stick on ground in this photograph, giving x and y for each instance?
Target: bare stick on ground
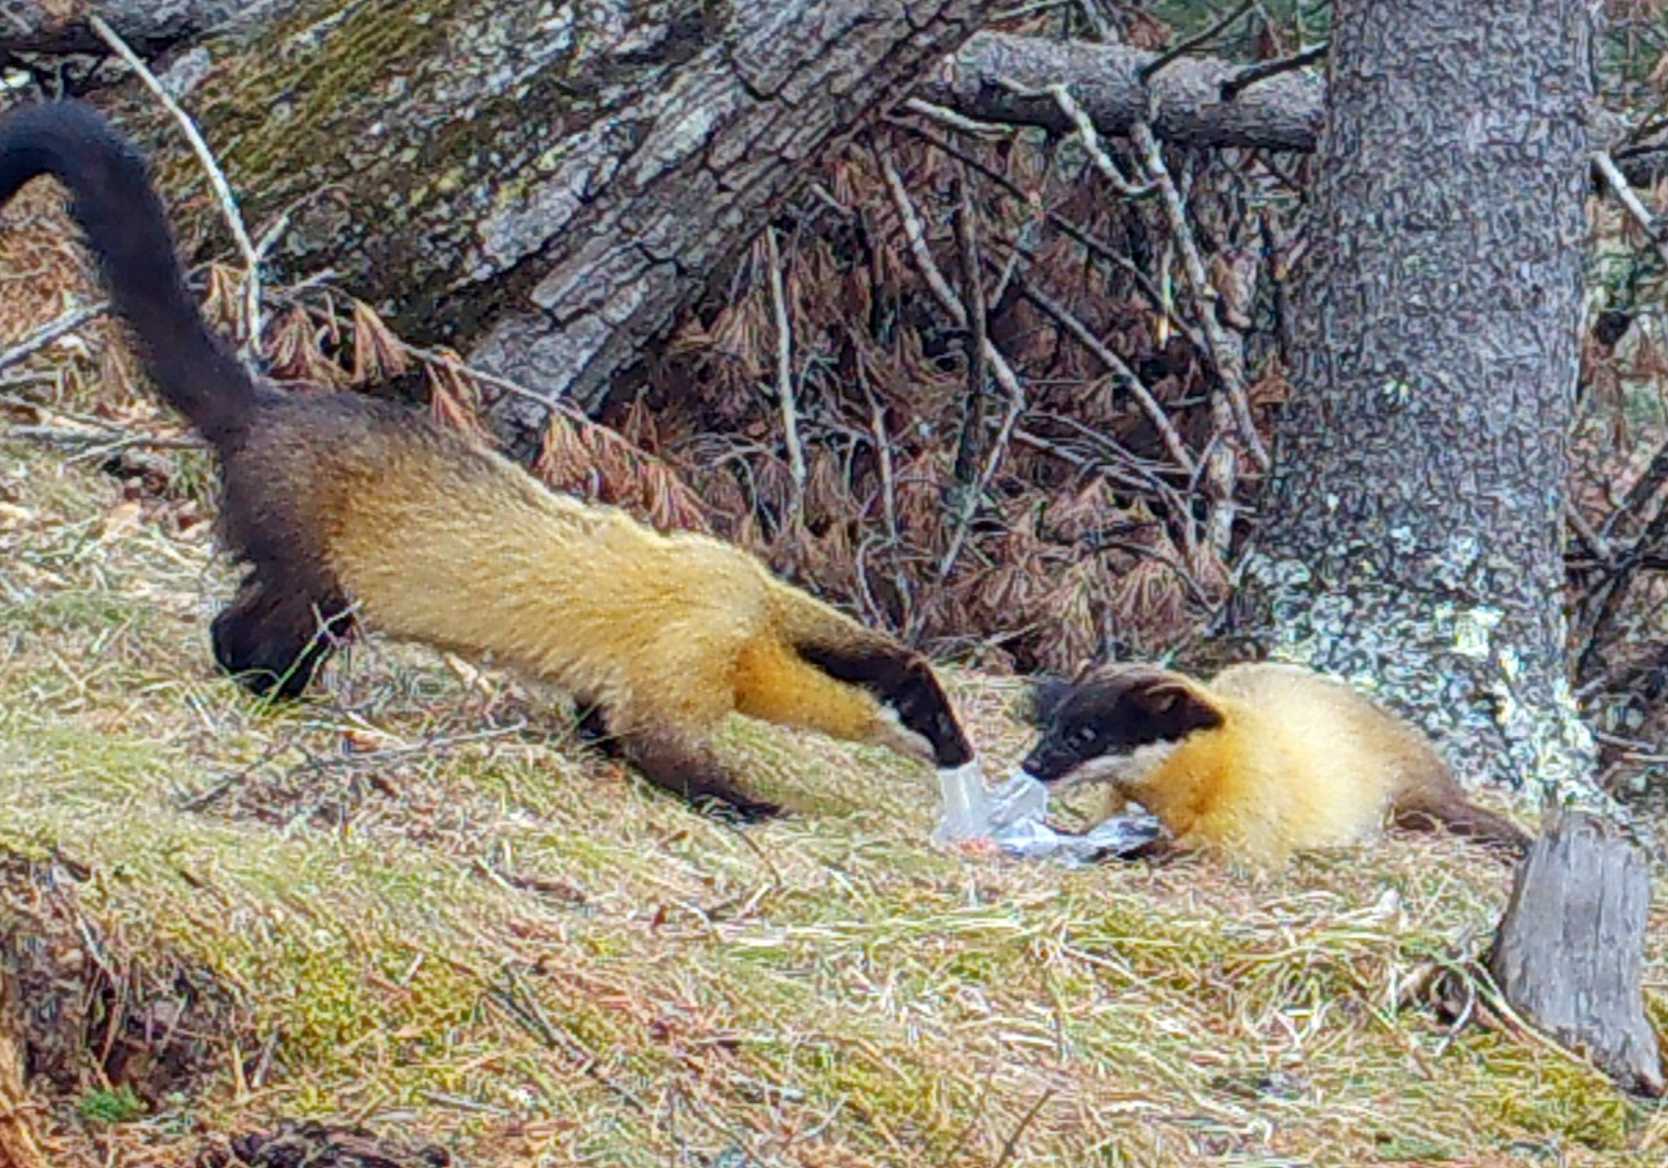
(1571, 946)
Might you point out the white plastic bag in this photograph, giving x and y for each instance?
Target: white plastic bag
(1014, 817)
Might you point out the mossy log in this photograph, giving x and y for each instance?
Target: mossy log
(541, 185)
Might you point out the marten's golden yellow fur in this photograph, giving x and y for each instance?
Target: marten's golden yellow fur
(345, 507)
(1263, 761)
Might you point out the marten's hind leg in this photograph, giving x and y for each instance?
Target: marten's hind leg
(272, 638)
(591, 728)
(1428, 797)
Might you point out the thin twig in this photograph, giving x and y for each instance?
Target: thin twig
(1016, 406)
(1170, 55)
(434, 357)
(1089, 242)
(888, 495)
(1649, 124)
(1616, 589)
(916, 236)
(957, 121)
(1644, 488)
(1596, 543)
(1602, 601)
(1220, 474)
(1618, 184)
(1012, 1141)
(1124, 376)
(110, 441)
(217, 180)
(1086, 131)
(1000, 369)
(523, 1007)
(1263, 70)
(432, 745)
(784, 369)
(970, 444)
(1196, 589)
(1030, 9)
(1226, 352)
(47, 333)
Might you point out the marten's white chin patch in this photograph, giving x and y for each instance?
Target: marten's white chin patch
(1124, 770)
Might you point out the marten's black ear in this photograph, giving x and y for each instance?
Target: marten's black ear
(1043, 699)
(1173, 710)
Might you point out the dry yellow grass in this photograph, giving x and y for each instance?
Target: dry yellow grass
(418, 912)
(410, 903)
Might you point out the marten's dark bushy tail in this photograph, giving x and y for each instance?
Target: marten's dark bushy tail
(126, 226)
(1451, 810)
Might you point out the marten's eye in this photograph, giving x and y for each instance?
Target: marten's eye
(1085, 735)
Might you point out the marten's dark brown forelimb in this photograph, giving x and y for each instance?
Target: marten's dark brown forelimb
(273, 637)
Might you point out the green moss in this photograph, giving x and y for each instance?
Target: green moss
(367, 123)
(117, 1106)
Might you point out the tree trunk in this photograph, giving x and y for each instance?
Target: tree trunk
(1570, 951)
(544, 186)
(1412, 535)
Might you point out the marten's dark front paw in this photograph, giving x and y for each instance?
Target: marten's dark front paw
(1155, 853)
(738, 809)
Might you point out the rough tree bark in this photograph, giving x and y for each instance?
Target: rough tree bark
(1412, 534)
(540, 185)
(51, 26)
(1184, 101)
(1571, 949)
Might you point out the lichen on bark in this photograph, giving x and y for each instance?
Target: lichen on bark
(1412, 537)
(387, 131)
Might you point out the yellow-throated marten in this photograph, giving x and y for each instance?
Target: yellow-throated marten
(337, 500)
(1263, 761)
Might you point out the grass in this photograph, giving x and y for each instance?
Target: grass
(419, 907)
(412, 904)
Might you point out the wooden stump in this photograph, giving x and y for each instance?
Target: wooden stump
(1570, 948)
(18, 1147)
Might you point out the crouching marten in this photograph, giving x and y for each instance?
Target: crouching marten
(1263, 761)
(340, 505)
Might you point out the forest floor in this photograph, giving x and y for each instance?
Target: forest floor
(413, 904)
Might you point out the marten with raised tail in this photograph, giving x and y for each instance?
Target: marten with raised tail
(342, 506)
(1263, 761)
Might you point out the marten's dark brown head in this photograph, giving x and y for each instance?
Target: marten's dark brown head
(904, 683)
(1094, 727)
